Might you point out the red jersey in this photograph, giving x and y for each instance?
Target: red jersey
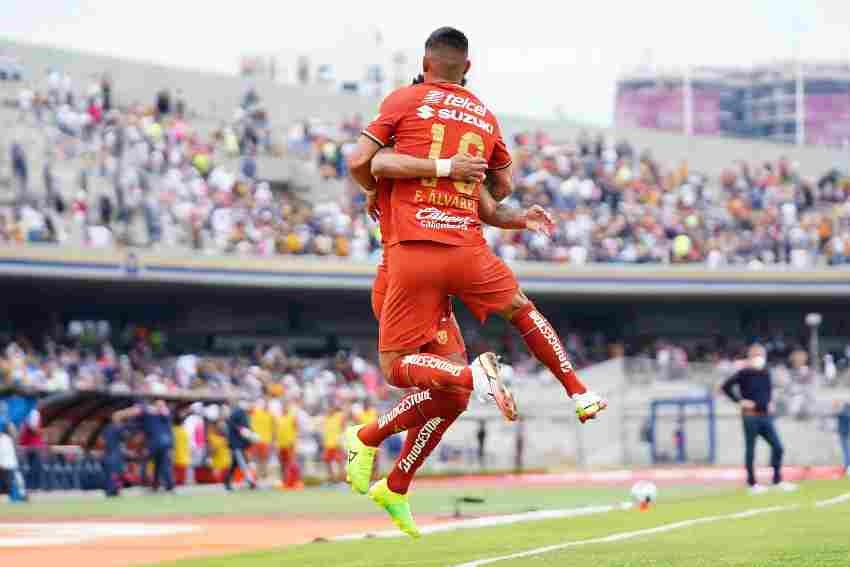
(438, 120)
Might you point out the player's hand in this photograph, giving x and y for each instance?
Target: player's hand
(470, 169)
(372, 206)
(538, 220)
(747, 404)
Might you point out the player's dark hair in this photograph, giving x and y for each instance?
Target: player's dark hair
(420, 78)
(448, 37)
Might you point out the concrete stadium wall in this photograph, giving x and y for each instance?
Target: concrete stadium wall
(554, 437)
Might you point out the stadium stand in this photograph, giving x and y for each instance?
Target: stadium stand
(110, 177)
(145, 175)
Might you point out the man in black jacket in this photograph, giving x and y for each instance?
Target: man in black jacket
(240, 437)
(754, 395)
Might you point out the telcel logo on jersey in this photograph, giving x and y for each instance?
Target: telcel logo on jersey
(433, 217)
(466, 103)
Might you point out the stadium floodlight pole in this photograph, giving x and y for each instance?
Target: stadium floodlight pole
(800, 87)
(800, 102)
(688, 102)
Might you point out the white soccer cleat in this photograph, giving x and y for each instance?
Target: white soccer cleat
(757, 489)
(588, 405)
(786, 486)
(487, 384)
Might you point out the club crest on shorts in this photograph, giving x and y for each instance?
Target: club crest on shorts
(442, 336)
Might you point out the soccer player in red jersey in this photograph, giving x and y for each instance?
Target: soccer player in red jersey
(436, 248)
(425, 429)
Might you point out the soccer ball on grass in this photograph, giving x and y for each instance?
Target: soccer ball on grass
(645, 493)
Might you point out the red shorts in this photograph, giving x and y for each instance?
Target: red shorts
(333, 455)
(447, 340)
(423, 274)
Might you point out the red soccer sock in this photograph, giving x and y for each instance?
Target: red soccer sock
(543, 342)
(421, 442)
(430, 371)
(411, 411)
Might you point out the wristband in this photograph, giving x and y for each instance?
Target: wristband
(444, 167)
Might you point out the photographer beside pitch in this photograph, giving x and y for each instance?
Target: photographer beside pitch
(754, 396)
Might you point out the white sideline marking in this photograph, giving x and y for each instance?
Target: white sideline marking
(833, 501)
(631, 535)
(27, 534)
(490, 521)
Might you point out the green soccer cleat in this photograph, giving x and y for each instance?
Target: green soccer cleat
(361, 457)
(396, 505)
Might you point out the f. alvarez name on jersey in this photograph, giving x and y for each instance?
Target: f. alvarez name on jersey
(445, 199)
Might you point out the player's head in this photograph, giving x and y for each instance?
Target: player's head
(757, 355)
(446, 55)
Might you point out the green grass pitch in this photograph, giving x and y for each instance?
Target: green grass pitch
(805, 536)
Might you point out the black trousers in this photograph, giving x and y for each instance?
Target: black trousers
(113, 467)
(756, 426)
(163, 475)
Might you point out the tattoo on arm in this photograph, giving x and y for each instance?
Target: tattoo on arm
(508, 217)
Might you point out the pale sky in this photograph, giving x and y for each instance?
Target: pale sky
(528, 57)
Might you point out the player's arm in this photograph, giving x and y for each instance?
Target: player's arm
(128, 413)
(503, 216)
(388, 164)
(501, 183)
(359, 162)
(728, 388)
(499, 171)
(378, 134)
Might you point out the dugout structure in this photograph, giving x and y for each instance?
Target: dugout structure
(682, 430)
(78, 417)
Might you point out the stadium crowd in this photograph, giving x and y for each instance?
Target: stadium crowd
(171, 185)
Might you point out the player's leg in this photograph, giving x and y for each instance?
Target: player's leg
(488, 286)
(543, 342)
(391, 492)
(844, 439)
(409, 414)
(422, 441)
(777, 451)
(750, 434)
(420, 275)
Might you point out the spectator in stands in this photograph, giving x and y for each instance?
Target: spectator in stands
(20, 170)
(754, 396)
